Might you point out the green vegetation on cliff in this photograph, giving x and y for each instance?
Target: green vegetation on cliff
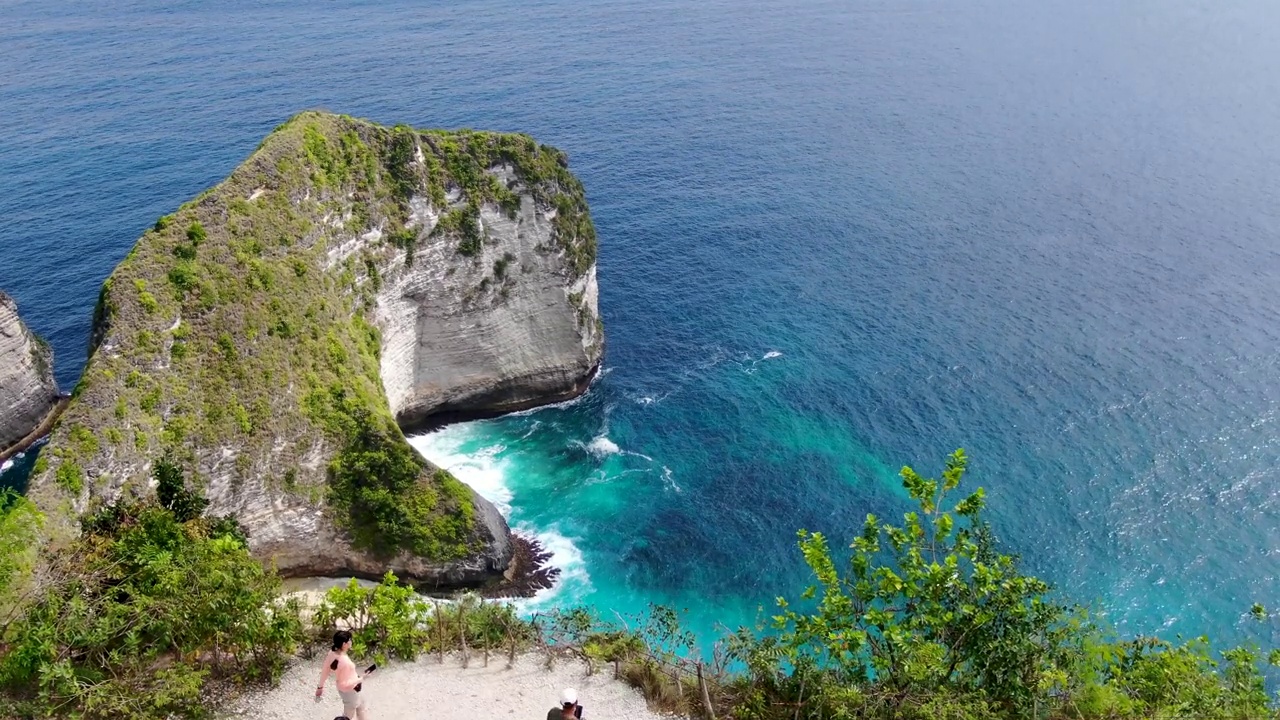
(238, 337)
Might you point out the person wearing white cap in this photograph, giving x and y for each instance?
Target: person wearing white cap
(568, 709)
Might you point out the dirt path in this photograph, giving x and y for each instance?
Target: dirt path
(427, 690)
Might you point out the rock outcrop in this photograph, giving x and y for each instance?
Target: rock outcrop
(513, 330)
(273, 335)
(28, 391)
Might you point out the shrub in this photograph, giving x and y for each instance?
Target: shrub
(82, 439)
(390, 620)
(173, 495)
(930, 620)
(150, 400)
(470, 622)
(500, 265)
(386, 620)
(227, 347)
(925, 606)
(20, 523)
(70, 476)
(463, 222)
(196, 233)
(140, 614)
(398, 158)
(184, 278)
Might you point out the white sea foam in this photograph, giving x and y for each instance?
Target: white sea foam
(7, 464)
(770, 355)
(648, 400)
(670, 481)
(603, 446)
(483, 470)
(532, 429)
(486, 471)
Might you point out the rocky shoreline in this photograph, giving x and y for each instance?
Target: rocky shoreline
(530, 571)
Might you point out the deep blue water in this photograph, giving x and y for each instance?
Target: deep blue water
(836, 237)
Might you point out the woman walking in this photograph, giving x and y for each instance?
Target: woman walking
(349, 683)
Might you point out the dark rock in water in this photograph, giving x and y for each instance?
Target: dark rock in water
(28, 391)
(530, 570)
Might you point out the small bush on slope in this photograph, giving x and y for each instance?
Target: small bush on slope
(139, 615)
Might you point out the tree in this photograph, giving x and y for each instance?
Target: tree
(171, 491)
(925, 607)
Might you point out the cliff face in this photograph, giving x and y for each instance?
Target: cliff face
(508, 331)
(269, 335)
(28, 392)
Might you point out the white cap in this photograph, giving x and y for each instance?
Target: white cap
(569, 697)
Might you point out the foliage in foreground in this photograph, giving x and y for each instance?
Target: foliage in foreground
(926, 619)
(931, 620)
(143, 613)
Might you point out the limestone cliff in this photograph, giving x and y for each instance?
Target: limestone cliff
(28, 392)
(268, 335)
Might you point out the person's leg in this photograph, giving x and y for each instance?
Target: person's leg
(350, 701)
(362, 708)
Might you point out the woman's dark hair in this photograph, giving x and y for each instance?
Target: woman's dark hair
(340, 638)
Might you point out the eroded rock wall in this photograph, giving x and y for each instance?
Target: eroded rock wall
(506, 332)
(28, 391)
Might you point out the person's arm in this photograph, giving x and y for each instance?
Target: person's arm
(325, 668)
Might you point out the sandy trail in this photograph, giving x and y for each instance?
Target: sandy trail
(427, 690)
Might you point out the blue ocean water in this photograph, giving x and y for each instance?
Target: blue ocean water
(837, 236)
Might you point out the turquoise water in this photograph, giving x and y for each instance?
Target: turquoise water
(837, 236)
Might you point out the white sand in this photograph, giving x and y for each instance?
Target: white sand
(427, 690)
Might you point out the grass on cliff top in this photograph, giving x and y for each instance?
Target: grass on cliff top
(235, 340)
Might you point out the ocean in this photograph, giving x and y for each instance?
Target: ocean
(836, 237)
